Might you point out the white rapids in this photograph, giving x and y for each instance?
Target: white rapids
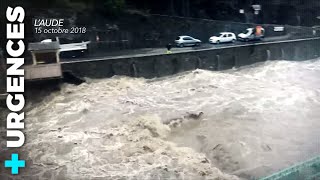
(256, 120)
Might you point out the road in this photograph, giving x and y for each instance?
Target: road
(158, 51)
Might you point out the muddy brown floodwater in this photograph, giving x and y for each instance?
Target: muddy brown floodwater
(255, 120)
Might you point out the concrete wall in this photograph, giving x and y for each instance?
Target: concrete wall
(211, 59)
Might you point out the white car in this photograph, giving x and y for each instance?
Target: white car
(182, 41)
(223, 38)
(252, 34)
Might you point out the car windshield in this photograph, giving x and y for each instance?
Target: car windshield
(246, 31)
(177, 38)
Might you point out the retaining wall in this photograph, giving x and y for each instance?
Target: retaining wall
(150, 66)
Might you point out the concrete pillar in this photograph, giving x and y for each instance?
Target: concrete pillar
(58, 56)
(34, 59)
(199, 64)
(268, 55)
(234, 59)
(296, 54)
(282, 54)
(218, 61)
(134, 70)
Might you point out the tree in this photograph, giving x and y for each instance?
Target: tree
(114, 7)
(171, 7)
(185, 6)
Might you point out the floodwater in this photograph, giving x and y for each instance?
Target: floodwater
(246, 123)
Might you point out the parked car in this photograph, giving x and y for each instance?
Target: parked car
(250, 34)
(223, 38)
(183, 41)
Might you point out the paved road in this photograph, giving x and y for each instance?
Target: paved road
(159, 51)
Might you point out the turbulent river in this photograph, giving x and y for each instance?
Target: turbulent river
(240, 123)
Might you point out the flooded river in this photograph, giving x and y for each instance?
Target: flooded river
(240, 123)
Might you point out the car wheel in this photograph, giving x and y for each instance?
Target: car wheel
(197, 44)
(181, 45)
(218, 42)
(233, 40)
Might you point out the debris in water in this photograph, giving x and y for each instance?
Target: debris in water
(194, 115)
(218, 145)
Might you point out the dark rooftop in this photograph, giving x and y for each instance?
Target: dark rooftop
(43, 46)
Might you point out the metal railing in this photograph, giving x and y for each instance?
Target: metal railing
(308, 170)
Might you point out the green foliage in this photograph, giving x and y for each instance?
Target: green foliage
(114, 7)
